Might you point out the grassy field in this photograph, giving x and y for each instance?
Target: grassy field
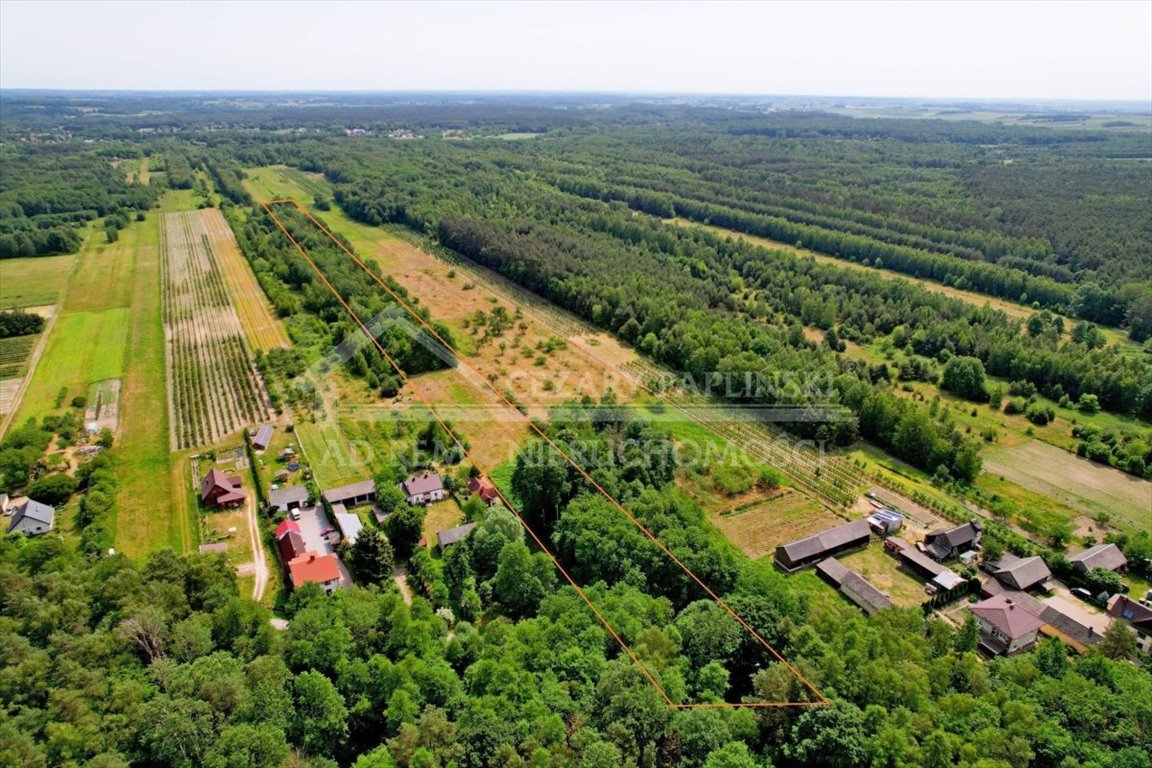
(33, 282)
(884, 573)
(786, 516)
(1084, 485)
(146, 519)
(441, 516)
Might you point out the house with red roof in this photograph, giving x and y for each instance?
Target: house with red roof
(312, 568)
(484, 489)
(220, 490)
(1005, 627)
(289, 541)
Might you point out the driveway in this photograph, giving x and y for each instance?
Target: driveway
(312, 521)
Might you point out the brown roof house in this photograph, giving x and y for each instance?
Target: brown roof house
(951, 542)
(220, 490)
(1138, 616)
(289, 541)
(812, 549)
(1022, 573)
(1005, 627)
(423, 488)
(1106, 556)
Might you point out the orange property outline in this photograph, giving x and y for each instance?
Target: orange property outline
(539, 542)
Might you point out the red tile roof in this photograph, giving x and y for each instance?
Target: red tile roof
(311, 567)
(285, 526)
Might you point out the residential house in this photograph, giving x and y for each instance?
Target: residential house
(289, 541)
(484, 489)
(447, 538)
(353, 494)
(423, 488)
(32, 518)
(1022, 573)
(313, 568)
(288, 499)
(951, 542)
(263, 437)
(812, 549)
(220, 490)
(1138, 616)
(1005, 627)
(1106, 556)
(1064, 627)
(853, 586)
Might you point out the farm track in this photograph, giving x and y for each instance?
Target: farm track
(214, 388)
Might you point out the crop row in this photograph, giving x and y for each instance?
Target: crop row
(215, 389)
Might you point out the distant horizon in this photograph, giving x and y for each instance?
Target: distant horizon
(1013, 51)
(447, 91)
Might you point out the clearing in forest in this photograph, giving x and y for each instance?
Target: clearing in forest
(1081, 484)
(759, 526)
(264, 329)
(214, 388)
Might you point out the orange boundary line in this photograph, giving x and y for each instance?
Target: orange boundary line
(776, 654)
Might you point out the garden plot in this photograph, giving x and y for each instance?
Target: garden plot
(213, 386)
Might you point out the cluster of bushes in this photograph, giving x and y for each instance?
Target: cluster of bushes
(17, 322)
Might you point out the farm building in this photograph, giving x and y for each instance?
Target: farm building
(812, 549)
(950, 542)
(1106, 556)
(288, 499)
(484, 489)
(312, 568)
(362, 492)
(885, 522)
(1138, 616)
(938, 576)
(853, 586)
(1022, 573)
(348, 523)
(1005, 627)
(423, 488)
(447, 538)
(262, 438)
(289, 541)
(220, 490)
(32, 518)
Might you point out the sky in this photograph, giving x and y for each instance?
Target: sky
(1042, 50)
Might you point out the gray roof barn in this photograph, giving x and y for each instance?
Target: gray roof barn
(32, 518)
(1021, 573)
(854, 586)
(797, 554)
(352, 494)
(287, 498)
(447, 538)
(1106, 556)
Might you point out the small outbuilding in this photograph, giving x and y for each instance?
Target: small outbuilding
(353, 494)
(263, 437)
(288, 499)
(447, 538)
